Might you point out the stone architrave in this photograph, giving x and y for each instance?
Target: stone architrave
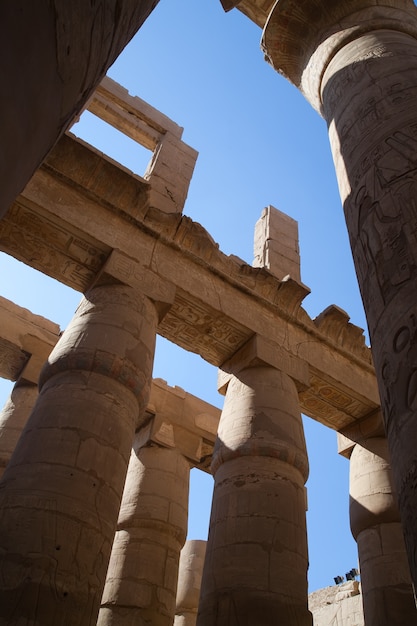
(53, 55)
(356, 62)
(190, 573)
(387, 591)
(255, 570)
(143, 570)
(60, 494)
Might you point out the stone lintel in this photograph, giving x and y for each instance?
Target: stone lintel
(130, 272)
(114, 104)
(259, 351)
(26, 341)
(220, 301)
(178, 419)
(370, 426)
(172, 164)
(300, 38)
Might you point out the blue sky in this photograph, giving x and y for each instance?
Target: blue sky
(259, 143)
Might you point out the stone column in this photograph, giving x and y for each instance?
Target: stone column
(356, 62)
(53, 56)
(387, 592)
(189, 582)
(60, 494)
(143, 571)
(255, 570)
(13, 418)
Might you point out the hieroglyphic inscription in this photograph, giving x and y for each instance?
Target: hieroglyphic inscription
(199, 328)
(374, 135)
(57, 250)
(330, 405)
(12, 360)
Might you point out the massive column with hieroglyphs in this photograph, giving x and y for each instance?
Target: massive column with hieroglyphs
(60, 494)
(256, 564)
(356, 62)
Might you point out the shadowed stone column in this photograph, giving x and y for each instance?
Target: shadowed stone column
(53, 54)
(13, 418)
(189, 582)
(60, 494)
(143, 571)
(255, 570)
(356, 62)
(387, 592)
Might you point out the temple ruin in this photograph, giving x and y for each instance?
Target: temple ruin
(95, 455)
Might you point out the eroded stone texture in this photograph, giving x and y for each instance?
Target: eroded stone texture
(190, 573)
(340, 605)
(143, 571)
(60, 494)
(357, 63)
(53, 54)
(256, 564)
(78, 193)
(387, 591)
(276, 244)
(13, 418)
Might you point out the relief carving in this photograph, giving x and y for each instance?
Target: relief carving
(42, 244)
(201, 329)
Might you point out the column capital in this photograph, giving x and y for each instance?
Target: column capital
(259, 351)
(370, 426)
(301, 37)
(128, 271)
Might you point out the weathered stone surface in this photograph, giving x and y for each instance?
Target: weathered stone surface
(256, 564)
(257, 10)
(53, 56)
(356, 62)
(172, 164)
(189, 582)
(387, 591)
(143, 570)
(339, 605)
(13, 418)
(220, 302)
(60, 494)
(178, 419)
(25, 342)
(276, 244)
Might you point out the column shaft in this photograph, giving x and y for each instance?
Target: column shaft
(60, 494)
(356, 61)
(13, 418)
(370, 102)
(143, 571)
(387, 592)
(190, 573)
(255, 570)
